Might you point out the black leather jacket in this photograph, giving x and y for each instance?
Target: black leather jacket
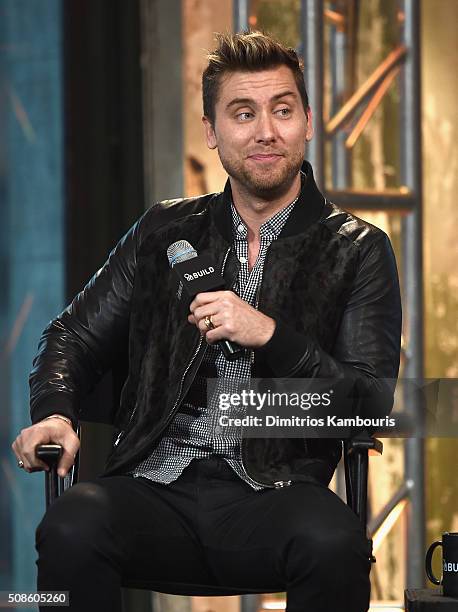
(330, 282)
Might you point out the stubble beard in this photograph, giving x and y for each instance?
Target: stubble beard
(266, 182)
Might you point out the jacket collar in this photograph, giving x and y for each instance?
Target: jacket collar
(307, 210)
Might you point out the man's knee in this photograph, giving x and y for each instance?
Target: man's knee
(340, 551)
(76, 517)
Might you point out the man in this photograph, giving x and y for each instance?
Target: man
(315, 295)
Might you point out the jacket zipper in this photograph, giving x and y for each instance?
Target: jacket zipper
(258, 293)
(278, 484)
(126, 427)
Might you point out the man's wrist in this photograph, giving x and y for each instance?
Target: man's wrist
(60, 416)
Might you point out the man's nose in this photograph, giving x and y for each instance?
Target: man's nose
(265, 128)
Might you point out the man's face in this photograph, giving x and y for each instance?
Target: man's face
(260, 130)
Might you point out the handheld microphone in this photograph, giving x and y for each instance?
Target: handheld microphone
(197, 274)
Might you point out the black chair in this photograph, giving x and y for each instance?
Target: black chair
(355, 450)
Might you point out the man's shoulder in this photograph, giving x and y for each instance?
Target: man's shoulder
(162, 213)
(358, 231)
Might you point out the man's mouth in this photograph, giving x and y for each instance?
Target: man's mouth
(265, 157)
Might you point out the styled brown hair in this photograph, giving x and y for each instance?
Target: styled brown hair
(247, 51)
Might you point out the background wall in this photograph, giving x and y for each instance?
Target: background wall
(440, 158)
(31, 251)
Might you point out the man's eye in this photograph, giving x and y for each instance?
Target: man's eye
(242, 116)
(284, 112)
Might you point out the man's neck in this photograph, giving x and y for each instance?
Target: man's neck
(255, 211)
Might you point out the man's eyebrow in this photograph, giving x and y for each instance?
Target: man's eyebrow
(237, 101)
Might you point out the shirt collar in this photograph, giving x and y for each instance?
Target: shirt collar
(271, 228)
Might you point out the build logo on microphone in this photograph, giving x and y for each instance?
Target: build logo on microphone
(199, 273)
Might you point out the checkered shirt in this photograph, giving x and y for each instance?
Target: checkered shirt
(193, 433)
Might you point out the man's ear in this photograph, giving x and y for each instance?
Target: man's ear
(309, 129)
(209, 133)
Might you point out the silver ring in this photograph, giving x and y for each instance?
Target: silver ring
(20, 463)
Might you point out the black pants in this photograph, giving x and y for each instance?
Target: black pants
(206, 528)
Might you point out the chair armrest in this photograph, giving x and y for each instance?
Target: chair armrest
(54, 484)
(356, 461)
(356, 451)
(49, 453)
(364, 443)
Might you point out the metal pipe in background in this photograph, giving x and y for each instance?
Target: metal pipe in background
(250, 603)
(340, 156)
(240, 15)
(389, 200)
(312, 37)
(393, 59)
(413, 275)
(341, 178)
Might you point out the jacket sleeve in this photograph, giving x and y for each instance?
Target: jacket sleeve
(366, 352)
(79, 345)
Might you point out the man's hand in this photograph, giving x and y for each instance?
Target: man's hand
(232, 318)
(49, 431)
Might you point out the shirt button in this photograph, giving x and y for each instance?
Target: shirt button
(242, 259)
(241, 228)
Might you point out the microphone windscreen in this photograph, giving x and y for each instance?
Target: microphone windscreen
(180, 251)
